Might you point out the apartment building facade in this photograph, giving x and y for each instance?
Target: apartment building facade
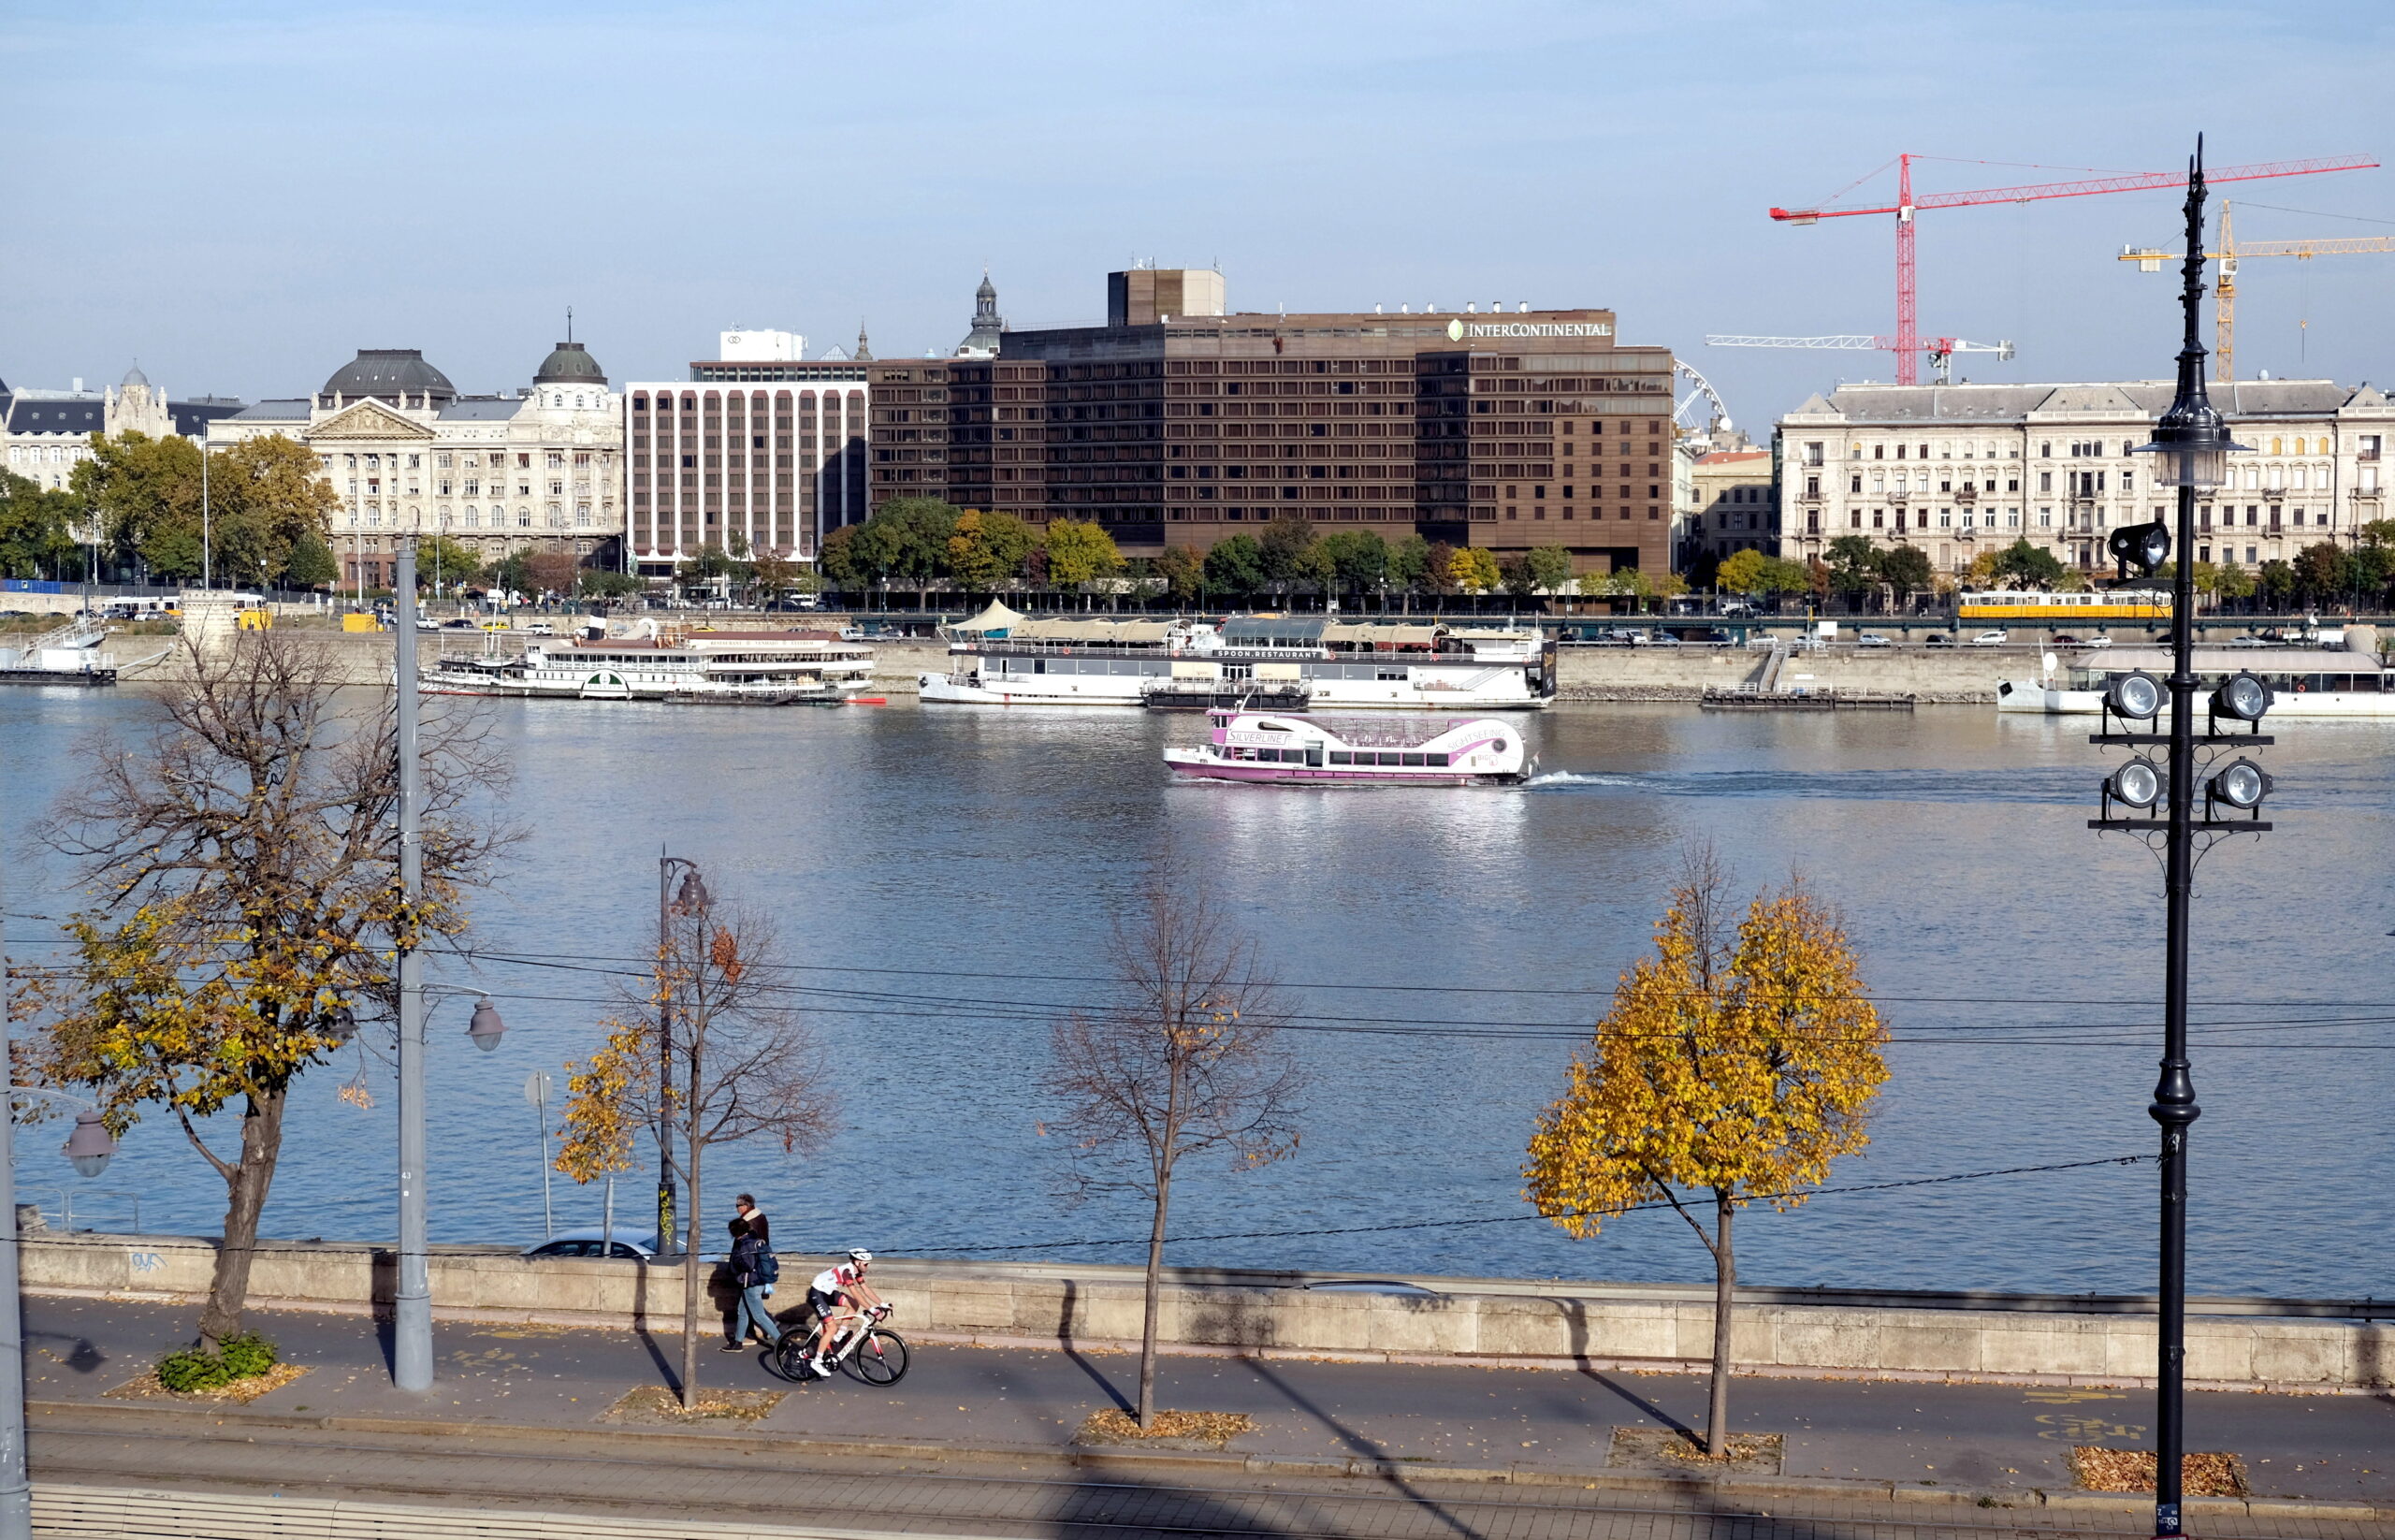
(754, 452)
(1959, 469)
(1502, 428)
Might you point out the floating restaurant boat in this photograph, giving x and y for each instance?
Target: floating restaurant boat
(1274, 749)
(2304, 681)
(697, 668)
(1292, 663)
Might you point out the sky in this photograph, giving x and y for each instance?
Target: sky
(239, 195)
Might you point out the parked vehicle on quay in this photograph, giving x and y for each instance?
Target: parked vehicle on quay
(629, 1244)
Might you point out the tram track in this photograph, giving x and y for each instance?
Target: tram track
(906, 1496)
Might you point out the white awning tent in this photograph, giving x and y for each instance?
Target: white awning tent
(996, 618)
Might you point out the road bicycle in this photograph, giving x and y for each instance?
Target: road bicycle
(863, 1348)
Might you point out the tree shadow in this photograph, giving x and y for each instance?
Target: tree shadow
(1363, 1447)
(1071, 1349)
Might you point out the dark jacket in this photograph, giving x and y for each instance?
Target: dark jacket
(748, 1262)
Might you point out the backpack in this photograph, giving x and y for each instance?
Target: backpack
(769, 1268)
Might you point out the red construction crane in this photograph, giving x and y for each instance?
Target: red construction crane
(1908, 343)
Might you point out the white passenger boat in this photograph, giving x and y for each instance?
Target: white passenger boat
(1291, 663)
(2304, 681)
(697, 668)
(1274, 749)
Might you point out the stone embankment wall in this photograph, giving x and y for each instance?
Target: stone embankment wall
(1939, 677)
(1488, 1321)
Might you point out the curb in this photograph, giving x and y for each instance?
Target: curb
(1819, 1489)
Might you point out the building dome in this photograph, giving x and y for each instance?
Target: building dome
(134, 377)
(390, 373)
(570, 364)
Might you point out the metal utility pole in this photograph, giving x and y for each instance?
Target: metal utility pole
(664, 1072)
(536, 1091)
(16, 1490)
(411, 1302)
(207, 538)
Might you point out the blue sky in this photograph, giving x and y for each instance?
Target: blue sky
(241, 194)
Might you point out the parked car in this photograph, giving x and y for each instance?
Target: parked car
(1737, 606)
(1940, 639)
(2098, 640)
(1991, 639)
(537, 628)
(1873, 639)
(460, 623)
(2247, 642)
(632, 1243)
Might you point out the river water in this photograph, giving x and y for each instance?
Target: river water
(946, 880)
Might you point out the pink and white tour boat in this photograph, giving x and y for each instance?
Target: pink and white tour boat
(1278, 749)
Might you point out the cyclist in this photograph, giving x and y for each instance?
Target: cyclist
(840, 1293)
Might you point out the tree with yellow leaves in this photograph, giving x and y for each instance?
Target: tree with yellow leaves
(744, 1064)
(1734, 1064)
(241, 859)
(1183, 1062)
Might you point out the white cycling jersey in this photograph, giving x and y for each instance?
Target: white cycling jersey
(834, 1280)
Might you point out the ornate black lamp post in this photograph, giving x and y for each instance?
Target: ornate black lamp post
(2190, 446)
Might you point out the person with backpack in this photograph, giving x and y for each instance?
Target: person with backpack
(753, 1269)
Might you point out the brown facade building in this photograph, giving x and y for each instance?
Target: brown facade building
(1504, 430)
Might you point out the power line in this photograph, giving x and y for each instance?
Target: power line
(1518, 1218)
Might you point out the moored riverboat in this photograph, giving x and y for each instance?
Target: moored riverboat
(1297, 662)
(2305, 682)
(1275, 749)
(699, 668)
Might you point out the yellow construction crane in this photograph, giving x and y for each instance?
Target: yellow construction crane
(2150, 261)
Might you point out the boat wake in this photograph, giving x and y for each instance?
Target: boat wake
(1573, 777)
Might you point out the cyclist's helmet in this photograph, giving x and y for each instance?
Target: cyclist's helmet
(860, 1255)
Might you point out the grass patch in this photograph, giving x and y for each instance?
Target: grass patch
(2102, 1469)
(1204, 1429)
(654, 1404)
(235, 1392)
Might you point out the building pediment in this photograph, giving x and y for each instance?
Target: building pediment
(370, 421)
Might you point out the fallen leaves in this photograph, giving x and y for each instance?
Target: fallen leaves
(239, 1392)
(2102, 1469)
(1211, 1428)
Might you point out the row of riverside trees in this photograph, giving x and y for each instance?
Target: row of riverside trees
(238, 856)
(1853, 568)
(922, 545)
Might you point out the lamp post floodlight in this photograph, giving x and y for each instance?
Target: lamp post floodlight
(2242, 698)
(2135, 696)
(2138, 784)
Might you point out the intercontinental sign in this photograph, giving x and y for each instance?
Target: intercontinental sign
(1458, 330)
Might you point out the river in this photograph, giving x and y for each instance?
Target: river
(947, 878)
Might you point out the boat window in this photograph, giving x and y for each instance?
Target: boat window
(1412, 759)
(1341, 756)
(1273, 727)
(1395, 674)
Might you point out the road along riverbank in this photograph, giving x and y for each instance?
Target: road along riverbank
(2035, 1339)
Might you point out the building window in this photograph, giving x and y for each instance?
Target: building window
(582, 516)
(524, 518)
(473, 519)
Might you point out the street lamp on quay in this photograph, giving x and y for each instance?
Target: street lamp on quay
(689, 898)
(2191, 447)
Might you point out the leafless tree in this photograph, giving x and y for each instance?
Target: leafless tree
(1185, 1060)
(744, 1064)
(240, 858)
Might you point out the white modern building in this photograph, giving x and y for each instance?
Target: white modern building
(1957, 470)
(541, 469)
(760, 452)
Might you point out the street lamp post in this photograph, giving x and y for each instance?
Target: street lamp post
(412, 1300)
(2190, 446)
(691, 898)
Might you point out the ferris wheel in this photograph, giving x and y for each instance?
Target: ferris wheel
(1716, 420)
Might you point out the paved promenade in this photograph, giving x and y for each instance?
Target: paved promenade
(519, 1418)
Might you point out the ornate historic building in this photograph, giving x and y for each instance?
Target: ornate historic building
(1960, 469)
(989, 328)
(44, 434)
(541, 469)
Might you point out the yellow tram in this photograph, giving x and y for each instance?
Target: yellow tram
(2064, 608)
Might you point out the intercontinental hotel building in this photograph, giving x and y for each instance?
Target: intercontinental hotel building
(1176, 424)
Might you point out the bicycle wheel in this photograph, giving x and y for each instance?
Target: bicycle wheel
(880, 1359)
(791, 1353)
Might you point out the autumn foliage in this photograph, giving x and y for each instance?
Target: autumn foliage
(1735, 1065)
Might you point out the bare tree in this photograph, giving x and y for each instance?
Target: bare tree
(744, 1065)
(242, 858)
(1184, 1061)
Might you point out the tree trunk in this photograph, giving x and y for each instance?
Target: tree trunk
(690, 1283)
(1156, 1286)
(1725, 1280)
(228, 1291)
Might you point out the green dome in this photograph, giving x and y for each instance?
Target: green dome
(570, 364)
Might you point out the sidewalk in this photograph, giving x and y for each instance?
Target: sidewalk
(1927, 1443)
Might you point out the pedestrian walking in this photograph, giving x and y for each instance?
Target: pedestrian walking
(750, 1264)
(762, 1227)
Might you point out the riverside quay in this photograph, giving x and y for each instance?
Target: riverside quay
(1176, 424)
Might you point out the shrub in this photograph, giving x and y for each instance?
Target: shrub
(246, 1355)
(190, 1369)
